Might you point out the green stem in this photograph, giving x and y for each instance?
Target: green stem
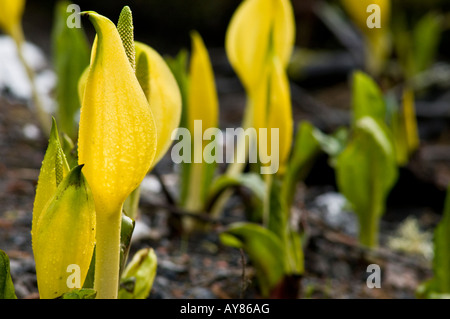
(107, 260)
(369, 228)
(43, 117)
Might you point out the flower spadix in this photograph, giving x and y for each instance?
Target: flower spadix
(117, 136)
(11, 12)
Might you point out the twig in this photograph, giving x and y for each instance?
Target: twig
(243, 278)
(164, 188)
(201, 216)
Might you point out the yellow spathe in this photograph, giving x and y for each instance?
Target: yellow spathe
(117, 136)
(257, 30)
(163, 95)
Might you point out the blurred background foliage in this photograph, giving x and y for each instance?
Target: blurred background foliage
(167, 23)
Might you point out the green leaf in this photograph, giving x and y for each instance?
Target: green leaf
(70, 150)
(279, 217)
(426, 37)
(71, 53)
(264, 249)
(251, 181)
(367, 98)
(366, 171)
(178, 66)
(54, 168)
(126, 232)
(441, 261)
(65, 235)
(6, 283)
(305, 150)
(80, 294)
(137, 279)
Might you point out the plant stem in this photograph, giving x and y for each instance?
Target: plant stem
(43, 117)
(369, 228)
(107, 262)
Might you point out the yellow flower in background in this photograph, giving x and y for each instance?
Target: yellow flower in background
(259, 43)
(257, 30)
(357, 9)
(377, 38)
(202, 97)
(11, 12)
(162, 92)
(117, 144)
(271, 108)
(202, 105)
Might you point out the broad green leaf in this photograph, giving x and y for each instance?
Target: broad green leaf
(64, 237)
(367, 98)
(54, 168)
(80, 294)
(137, 279)
(264, 248)
(366, 171)
(70, 57)
(6, 283)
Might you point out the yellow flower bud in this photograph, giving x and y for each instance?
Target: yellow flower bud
(11, 12)
(258, 29)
